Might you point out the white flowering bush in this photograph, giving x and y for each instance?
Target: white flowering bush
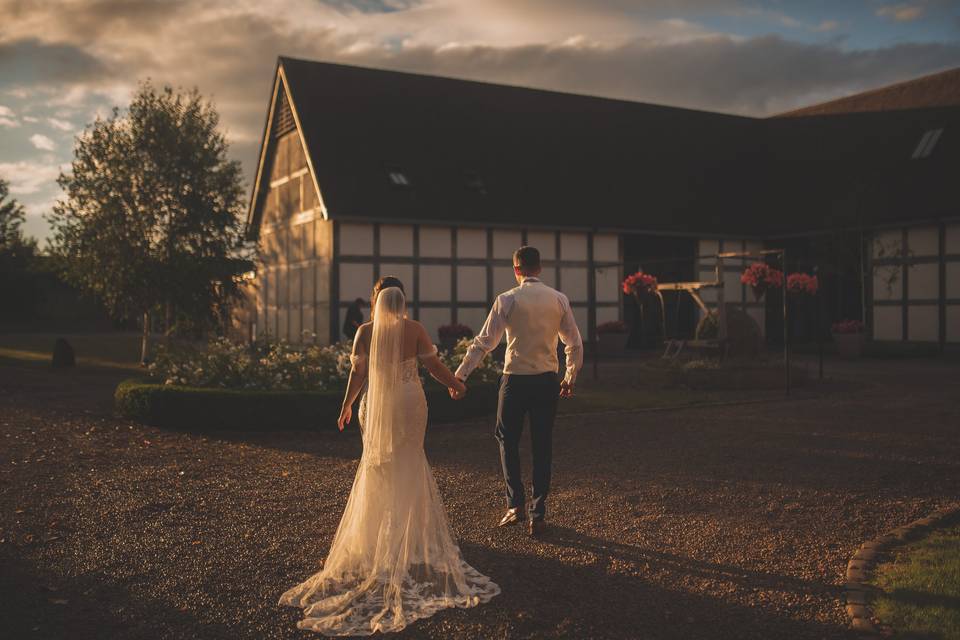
(279, 366)
(489, 370)
(265, 366)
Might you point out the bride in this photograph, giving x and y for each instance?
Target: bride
(393, 559)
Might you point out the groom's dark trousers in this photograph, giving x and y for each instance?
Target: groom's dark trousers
(535, 396)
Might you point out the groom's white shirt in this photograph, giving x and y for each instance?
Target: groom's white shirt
(533, 316)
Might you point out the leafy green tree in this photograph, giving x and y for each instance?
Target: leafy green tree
(153, 214)
(11, 217)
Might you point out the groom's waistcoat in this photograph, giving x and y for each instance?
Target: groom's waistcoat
(532, 326)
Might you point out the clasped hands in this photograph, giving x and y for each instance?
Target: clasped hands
(458, 391)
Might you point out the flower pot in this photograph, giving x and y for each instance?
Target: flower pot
(612, 344)
(849, 345)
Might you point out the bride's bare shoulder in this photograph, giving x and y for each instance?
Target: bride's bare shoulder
(413, 324)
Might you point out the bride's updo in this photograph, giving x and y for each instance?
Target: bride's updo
(383, 283)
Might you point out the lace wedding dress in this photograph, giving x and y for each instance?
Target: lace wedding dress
(393, 559)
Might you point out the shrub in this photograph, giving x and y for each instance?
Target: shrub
(182, 407)
(454, 332)
(487, 372)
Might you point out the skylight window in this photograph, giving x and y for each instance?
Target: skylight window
(926, 144)
(398, 178)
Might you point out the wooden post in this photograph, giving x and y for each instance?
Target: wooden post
(786, 325)
(721, 305)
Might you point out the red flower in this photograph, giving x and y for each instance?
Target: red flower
(639, 283)
(847, 326)
(760, 275)
(802, 283)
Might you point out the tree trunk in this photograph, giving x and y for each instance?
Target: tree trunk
(145, 340)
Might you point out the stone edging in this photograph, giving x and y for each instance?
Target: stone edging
(857, 593)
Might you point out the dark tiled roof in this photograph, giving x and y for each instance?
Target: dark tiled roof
(554, 159)
(931, 91)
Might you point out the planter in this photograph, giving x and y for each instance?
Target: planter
(612, 344)
(849, 345)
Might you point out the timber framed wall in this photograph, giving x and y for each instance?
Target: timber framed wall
(734, 291)
(453, 273)
(914, 284)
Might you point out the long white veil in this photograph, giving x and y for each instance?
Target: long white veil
(386, 346)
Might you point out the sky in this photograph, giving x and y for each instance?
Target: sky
(65, 63)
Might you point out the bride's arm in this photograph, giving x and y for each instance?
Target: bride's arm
(358, 375)
(434, 366)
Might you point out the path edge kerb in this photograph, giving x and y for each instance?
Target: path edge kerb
(858, 593)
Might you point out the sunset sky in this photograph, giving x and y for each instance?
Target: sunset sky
(63, 63)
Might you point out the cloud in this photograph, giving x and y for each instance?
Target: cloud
(62, 125)
(901, 12)
(30, 119)
(8, 117)
(27, 177)
(42, 142)
(827, 25)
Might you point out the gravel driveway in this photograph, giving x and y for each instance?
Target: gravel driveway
(731, 522)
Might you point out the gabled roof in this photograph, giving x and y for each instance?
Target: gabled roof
(931, 91)
(479, 153)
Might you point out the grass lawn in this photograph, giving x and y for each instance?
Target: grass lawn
(921, 588)
(110, 350)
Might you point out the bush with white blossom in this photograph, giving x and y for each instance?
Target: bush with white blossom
(278, 366)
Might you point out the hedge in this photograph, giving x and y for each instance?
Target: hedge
(202, 408)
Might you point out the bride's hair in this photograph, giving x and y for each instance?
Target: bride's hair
(383, 283)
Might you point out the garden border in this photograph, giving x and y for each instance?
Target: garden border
(858, 594)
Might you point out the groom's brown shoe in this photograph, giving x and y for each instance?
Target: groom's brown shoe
(512, 516)
(536, 527)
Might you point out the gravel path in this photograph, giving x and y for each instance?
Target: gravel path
(731, 522)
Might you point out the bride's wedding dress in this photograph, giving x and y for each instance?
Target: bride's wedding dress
(393, 559)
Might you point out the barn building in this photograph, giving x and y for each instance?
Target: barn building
(365, 172)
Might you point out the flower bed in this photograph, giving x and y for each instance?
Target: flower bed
(275, 386)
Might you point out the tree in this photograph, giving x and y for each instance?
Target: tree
(11, 217)
(152, 217)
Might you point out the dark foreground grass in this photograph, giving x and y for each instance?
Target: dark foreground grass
(921, 588)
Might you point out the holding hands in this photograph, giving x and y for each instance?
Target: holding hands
(458, 389)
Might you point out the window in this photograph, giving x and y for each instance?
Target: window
(398, 178)
(926, 144)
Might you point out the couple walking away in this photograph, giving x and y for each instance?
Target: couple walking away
(393, 559)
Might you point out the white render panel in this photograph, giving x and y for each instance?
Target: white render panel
(887, 282)
(573, 246)
(473, 317)
(296, 334)
(953, 239)
(580, 315)
(356, 239)
(471, 243)
(953, 279)
(356, 281)
(396, 240)
(434, 318)
(607, 314)
(732, 287)
(924, 281)
(574, 280)
(435, 282)
(503, 280)
(608, 284)
(754, 246)
(923, 322)
(505, 242)
(545, 242)
(606, 247)
(472, 284)
(887, 244)
(708, 248)
(309, 329)
(924, 241)
(402, 271)
(435, 242)
(888, 322)
(953, 323)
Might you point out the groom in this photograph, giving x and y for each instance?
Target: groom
(533, 316)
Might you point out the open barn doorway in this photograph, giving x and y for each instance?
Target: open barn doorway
(670, 259)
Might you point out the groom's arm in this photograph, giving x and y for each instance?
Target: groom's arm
(487, 340)
(573, 343)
